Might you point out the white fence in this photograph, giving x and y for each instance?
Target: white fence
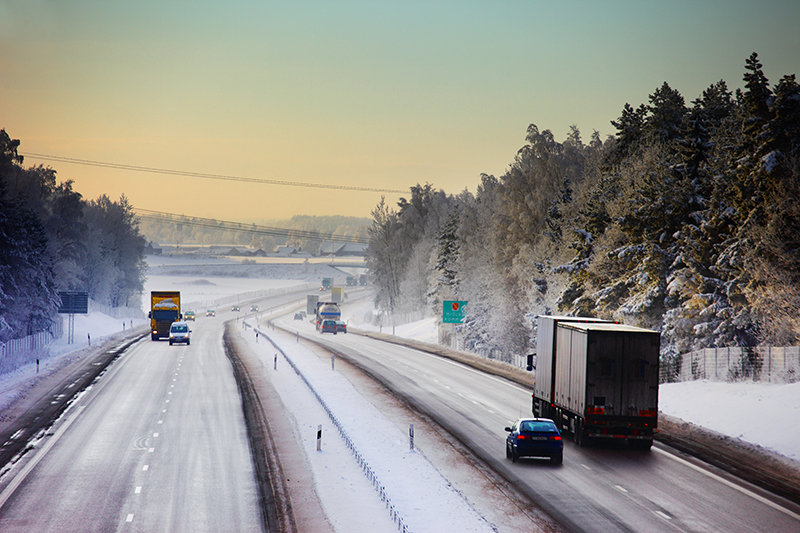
(18, 352)
(763, 363)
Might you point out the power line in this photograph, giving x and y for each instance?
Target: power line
(135, 168)
(222, 225)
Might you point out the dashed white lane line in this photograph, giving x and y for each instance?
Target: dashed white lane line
(151, 450)
(137, 490)
(160, 421)
(621, 489)
(130, 518)
(145, 468)
(663, 515)
(587, 467)
(155, 435)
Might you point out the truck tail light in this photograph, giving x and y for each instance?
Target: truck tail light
(596, 410)
(647, 413)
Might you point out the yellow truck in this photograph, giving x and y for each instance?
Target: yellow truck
(165, 308)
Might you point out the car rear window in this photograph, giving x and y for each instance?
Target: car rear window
(534, 427)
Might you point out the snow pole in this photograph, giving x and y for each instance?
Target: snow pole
(319, 437)
(333, 358)
(276, 361)
(411, 437)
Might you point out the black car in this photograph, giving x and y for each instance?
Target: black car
(341, 327)
(534, 437)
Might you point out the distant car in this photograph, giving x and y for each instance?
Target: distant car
(328, 326)
(298, 316)
(179, 332)
(235, 308)
(189, 315)
(341, 327)
(534, 437)
(254, 308)
(211, 312)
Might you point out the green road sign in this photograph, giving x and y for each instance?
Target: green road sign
(453, 311)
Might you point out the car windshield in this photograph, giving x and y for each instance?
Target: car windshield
(533, 427)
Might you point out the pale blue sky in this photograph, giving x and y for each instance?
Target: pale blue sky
(370, 94)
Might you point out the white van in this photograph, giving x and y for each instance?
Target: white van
(179, 332)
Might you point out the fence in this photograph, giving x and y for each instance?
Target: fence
(18, 352)
(762, 363)
(116, 312)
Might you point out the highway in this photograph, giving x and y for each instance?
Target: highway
(598, 488)
(158, 443)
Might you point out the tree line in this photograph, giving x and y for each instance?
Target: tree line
(52, 240)
(687, 221)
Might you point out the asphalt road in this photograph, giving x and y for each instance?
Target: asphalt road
(158, 443)
(598, 488)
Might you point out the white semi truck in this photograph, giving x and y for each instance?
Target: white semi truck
(597, 379)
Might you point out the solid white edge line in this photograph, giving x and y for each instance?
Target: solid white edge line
(734, 486)
(19, 478)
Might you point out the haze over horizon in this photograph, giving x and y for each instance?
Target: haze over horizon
(377, 95)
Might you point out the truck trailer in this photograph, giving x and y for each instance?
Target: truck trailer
(597, 379)
(165, 308)
(327, 311)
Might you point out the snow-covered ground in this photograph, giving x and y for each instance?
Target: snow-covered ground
(759, 413)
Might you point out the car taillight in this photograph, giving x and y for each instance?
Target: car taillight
(555, 437)
(522, 437)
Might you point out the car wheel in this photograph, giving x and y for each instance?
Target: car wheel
(170, 343)
(508, 451)
(188, 343)
(514, 456)
(558, 458)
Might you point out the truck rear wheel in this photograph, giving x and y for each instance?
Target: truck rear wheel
(640, 444)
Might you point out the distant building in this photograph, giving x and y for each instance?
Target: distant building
(338, 249)
(152, 249)
(289, 251)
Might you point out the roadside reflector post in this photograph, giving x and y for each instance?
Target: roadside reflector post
(319, 437)
(333, 358)
(298, 337)
(411, 437)
(276, 361)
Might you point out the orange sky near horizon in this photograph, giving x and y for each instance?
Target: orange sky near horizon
(370, 95)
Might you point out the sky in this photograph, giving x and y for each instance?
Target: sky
(375, 96)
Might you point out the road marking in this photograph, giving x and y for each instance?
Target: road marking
(163, 410)
(155, 435)
(130, 518)
(724, 481)
(18, 479)
(151, 450)
(586, 466)
(137, 490)
(663, 515)
(160, 421)
(145, 467)
(621, 489)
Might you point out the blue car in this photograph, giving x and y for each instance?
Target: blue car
(534, 437)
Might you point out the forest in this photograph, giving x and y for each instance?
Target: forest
(685, 221)
(52, 240)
